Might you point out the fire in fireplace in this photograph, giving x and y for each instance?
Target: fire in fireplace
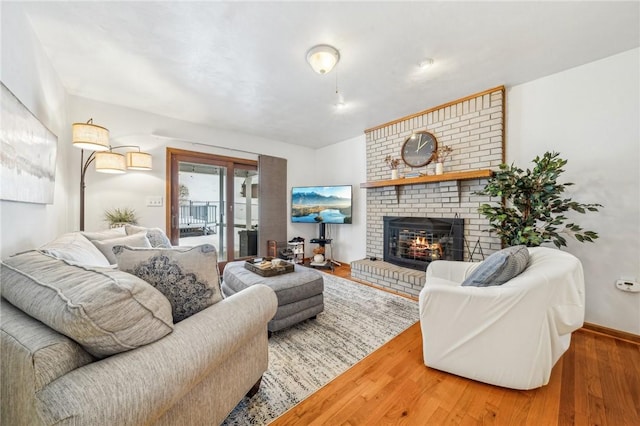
(414, 242)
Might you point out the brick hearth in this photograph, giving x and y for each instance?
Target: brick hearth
(384, 274)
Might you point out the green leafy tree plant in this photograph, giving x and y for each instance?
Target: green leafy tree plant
(532, 209)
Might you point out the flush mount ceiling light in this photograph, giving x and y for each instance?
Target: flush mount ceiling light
(426, 63)
(323, 58)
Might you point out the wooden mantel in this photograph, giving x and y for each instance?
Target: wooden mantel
(457, 176)
(466, 175)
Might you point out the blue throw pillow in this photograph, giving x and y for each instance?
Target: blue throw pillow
(499, 268)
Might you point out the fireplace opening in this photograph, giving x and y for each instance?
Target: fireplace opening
(414, 242)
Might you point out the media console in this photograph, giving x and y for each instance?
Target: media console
(325, 243)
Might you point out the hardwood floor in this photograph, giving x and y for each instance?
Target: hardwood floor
(596, 382)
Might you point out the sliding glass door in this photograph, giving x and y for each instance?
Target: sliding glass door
(213, 199)
(201, 201)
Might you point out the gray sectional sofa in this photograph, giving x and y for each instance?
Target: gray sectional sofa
(88, 344)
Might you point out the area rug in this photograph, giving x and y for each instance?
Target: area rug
(357, 320)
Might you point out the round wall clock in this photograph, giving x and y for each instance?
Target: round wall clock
(419, 149)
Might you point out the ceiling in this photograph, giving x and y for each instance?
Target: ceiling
(241, 66)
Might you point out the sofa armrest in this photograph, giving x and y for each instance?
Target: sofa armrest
(450, 270)
(138, 386)
(32, 356)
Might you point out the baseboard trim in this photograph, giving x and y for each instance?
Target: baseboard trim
(622, 335)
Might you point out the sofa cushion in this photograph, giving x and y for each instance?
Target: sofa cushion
(75, 248)
(134, 240)
(499, 268)
(187, 276)
(105, 310)
(107, 234)
(156, 236)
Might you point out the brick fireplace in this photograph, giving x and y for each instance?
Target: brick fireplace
(474, 128)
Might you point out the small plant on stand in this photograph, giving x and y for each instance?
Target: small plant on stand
(393, 164)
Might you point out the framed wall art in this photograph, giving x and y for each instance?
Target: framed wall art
(27, 154)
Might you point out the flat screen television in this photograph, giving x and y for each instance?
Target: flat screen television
(321, 204)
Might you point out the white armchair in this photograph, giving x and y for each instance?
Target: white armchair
(509, 335)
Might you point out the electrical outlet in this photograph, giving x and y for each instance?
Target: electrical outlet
(154, 201)
(628, 285)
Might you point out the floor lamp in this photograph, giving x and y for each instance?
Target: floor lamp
(96, 138)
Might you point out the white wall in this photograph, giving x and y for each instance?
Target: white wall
(343, 163)
(133, 127)
(28, 73)
(590, 114)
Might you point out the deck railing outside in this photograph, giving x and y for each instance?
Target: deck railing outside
(198, 216)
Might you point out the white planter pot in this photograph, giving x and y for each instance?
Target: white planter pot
(394, 174)
(439, 168)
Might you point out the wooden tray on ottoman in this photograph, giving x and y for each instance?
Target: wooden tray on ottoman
(252, 265)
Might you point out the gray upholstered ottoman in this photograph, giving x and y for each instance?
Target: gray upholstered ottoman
(299, 293)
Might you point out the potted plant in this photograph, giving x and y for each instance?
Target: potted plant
(393, 164)
(442, 153)
(120, 217)
(532, 208)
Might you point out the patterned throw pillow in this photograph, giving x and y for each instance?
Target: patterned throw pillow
(134, 240)
(499, 268)
(156, 236)
(187, 276)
